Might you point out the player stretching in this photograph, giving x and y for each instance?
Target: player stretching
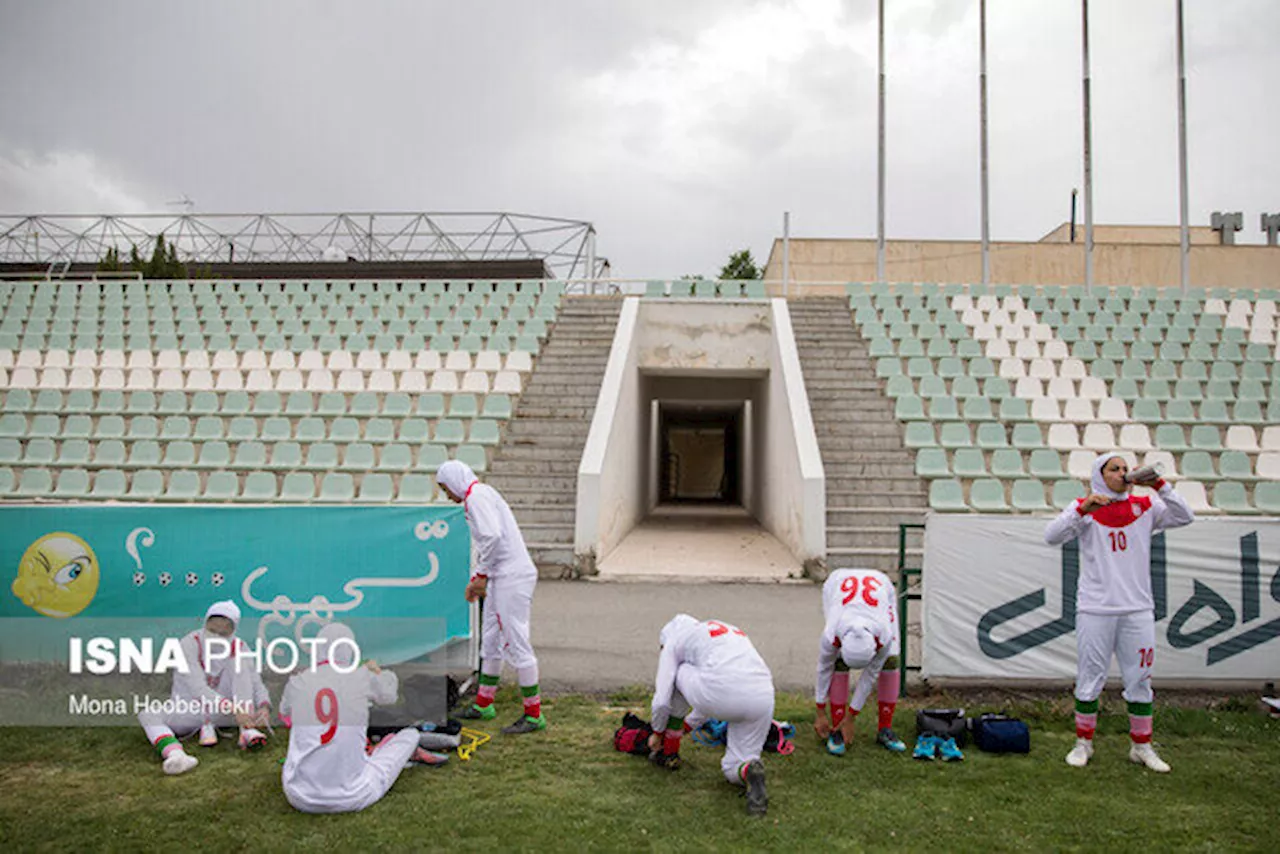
(1114, 609)
(504, 577)
(860, 632)
(710, 670)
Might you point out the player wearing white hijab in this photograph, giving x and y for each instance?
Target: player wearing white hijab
(860, 632)
(214, 692)
(711, 670)
(1114, 608)
(327, 768)
(504, 576)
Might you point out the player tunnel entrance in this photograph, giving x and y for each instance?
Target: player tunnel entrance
(700, 458)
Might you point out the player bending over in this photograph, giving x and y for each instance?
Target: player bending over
(711, 670)
(328, 768)
(217, 684)
(504, 577)
(1114, 609)
(860, 632)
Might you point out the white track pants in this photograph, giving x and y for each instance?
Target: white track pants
(746, 706)
(1131, 638)
(379, 773)
(504, 633)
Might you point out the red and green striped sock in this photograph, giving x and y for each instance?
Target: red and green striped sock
(1140, 728)
(487, 691)
(671, 737)
(167, 744)
(1086, 718)
(532, 700)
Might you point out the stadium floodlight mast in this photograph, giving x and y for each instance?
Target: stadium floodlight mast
(1088, 152)
(880, 277)
(982, 123)
(1184, 231)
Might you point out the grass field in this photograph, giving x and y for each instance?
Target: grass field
(567, 789)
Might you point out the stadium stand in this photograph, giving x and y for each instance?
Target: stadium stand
(996, 384)
(331, 391)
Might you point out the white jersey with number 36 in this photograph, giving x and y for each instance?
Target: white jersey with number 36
(865, 593)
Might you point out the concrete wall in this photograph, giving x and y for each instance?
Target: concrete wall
(704, 336)
(792, 488)
(1201, 235)
(840, 261)
(612, 484)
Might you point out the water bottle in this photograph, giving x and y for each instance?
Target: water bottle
(1145, 473)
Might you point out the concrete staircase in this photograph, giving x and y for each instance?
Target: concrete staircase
(536, 466)
(871, 482)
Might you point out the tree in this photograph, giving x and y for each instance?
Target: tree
(110, 262)
(741, 266)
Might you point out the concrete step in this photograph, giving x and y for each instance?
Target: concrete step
(885, 560)
(873, 498)
(537, 427)
(535, 496)
(532, 514)
(863, 442)
(558, 440)
(565, 464)
(880, 485)
(842, 515)
(851, 429)
(503, 481)
(836, 468)
(557, 533)
(554, 560)
(529, 453)
(885, 537)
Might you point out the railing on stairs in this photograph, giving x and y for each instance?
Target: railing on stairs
(905, 598)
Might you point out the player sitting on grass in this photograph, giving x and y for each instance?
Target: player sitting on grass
(1115, 611)
(216, 691)
(860, 632)
(712, 670)
(328, 768)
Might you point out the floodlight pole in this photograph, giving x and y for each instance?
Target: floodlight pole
(1088, 155)
(982, 99)
(1184, 232)
(880, 276)
(786, 252)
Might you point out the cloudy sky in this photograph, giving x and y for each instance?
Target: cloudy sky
(681, 129)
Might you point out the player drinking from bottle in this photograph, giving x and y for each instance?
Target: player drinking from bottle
(1114, 609)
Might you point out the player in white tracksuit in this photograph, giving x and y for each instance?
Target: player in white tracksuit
(711, 670)
(327, 768)
(504, 576)
(860, 631)
(1114, 607)
(213, 692)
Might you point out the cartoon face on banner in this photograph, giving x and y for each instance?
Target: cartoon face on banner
(57, 576)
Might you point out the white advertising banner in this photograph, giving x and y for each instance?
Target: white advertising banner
(999, 603)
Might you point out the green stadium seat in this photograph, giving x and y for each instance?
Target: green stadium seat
(987, 496)
(1171, 437)
(415, 489)
(1235, 465)
(1206, 437)
(931, 463)
(109, 484)
(1046, 464)
(1006, 464)
(311, 429)
(430, 406)
(147, 485)
(1028, 496)
(358, 456)
(497, 406)
(34, 483)
(395, 457)
(1229, 496)
(484, 432)
(376, 489)
(1266, 498)
(968, 463)
(298, 487)
(72, 483)
(431, 457)
(335, 487)
(474, 456)
(1027, 436)
(920, 434)
(449, 431)
(991, 436)
(947, 496)
(322, 456)
(955, 435)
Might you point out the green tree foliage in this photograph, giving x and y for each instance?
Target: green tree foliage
(163, 264)
(741, 266)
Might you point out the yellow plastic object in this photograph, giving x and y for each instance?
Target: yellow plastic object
(471, 739)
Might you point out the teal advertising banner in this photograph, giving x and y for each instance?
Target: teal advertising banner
(67, 569)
